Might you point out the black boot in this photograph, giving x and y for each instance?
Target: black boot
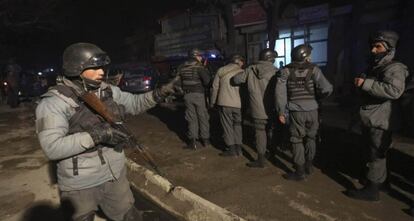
(87, 217)
(411, 211)
(369, 192)
(298, 175)
(308, 167)
(230, 152)
(133, 214)
(206, 143)
(239, 149)
(191, 145)
(259, 163)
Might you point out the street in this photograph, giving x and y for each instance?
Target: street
(28, 189)
(262, 194)
(27, 184)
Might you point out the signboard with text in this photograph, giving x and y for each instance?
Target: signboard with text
(248, 13)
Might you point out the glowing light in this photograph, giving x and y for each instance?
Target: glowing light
(40, 73)
(213, 55)
(5, 83)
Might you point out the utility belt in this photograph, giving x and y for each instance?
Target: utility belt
(193, 89)
(367, 100)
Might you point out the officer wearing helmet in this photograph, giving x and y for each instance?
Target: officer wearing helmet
(227, 97)
(260, 81)
(298, 86)
(195, 78)
(90, 171)
(383, 82)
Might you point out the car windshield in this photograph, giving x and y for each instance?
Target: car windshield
(132, 70)
(138, 72)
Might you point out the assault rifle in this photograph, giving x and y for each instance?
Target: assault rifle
(96, 104)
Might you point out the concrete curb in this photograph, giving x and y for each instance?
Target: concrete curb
(177, 200)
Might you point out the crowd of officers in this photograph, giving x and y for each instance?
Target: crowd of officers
(91, 167)
(291, 96)
(287, 95)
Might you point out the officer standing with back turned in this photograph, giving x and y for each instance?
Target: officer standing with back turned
(298, 85)
(194, 79)
(91, 168)
(227, 97)
(260, 78)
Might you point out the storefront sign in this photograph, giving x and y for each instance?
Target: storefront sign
(248, 13)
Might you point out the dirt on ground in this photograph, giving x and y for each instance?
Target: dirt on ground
(24, 171)
(28, 186)
(262, 194)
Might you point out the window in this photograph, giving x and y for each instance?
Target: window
(316, 35)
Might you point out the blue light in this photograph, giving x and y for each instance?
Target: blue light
(213, 55)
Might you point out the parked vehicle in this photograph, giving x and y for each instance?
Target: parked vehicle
(136, 77)
(35, 83)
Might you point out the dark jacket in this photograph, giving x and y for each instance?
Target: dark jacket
(260, 81)
(194, 76)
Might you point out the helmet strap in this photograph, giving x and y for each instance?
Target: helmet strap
(90, 85)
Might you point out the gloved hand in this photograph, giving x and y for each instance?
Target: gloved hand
(103, 133)
(165, 90)
(118, 111)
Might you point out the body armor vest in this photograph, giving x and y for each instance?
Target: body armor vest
(191, 81)
(85, 118)
(300, 86)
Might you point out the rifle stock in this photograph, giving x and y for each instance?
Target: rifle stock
(97, 105)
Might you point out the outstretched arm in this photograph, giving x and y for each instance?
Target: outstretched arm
(134, 103)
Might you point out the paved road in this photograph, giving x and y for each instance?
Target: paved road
(262, 194)
(28, 190)
(254, 194)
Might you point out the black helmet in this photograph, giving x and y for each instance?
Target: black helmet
(268, 54)
(80, 56)
(236, 58)
(192, 53)
(301, 52)
(387, 36)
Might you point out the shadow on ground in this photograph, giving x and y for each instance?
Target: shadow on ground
(340, 154)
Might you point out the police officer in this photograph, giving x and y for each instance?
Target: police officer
(258, 78)
(12, 77)
(227, 97)
(91, 172)
(298, 85)
(195, 78)
(383, 83)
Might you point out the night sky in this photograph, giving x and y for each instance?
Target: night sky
(58, 23)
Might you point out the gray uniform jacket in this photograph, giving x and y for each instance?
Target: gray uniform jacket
(52, 126)
(258, 76)
(384, 83)
(321, 84)
(223, 93)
